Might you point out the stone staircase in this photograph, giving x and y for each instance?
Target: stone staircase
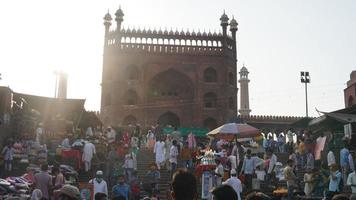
(144, 158)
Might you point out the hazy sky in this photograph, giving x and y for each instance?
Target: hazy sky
(276, 40)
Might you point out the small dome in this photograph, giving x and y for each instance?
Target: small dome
(144, 31)
(224, 19)
(204, 33)
(170, 32)
(160, 31)
(165, 32)
(128, 30)
(209, 34)
(233, 24)
(177, 32)
(133, 30)
(193, 33)
(182, 32)
(243, 69)
(119, 12)
(107, 17)
(188, 33)
(199, 33)
(154, 31)
(215, 34)
(149, 31)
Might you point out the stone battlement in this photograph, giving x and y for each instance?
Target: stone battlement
(169, 42)
(271, 118)
(153, 41)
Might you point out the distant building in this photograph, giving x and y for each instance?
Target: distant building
(350, 90)
(179, 78)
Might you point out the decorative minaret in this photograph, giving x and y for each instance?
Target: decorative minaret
(233, 29)
(244, 98)
(224, 22)
(107, 24)
(119, 18)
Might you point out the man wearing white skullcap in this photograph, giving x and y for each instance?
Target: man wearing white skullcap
(235, 183)
(99, 184)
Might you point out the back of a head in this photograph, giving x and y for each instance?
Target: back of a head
(340, 197)
(119, 198)
(100, 196)
(44, 167)
(184, 185)
(224, 192)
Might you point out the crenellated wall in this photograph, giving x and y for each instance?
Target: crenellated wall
(153, 41)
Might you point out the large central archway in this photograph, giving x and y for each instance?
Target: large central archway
(170, 84)
(169, 118)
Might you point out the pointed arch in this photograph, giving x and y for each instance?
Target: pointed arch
(129, 120)
(130, 97)
(169, 118)
(210, 75)
(132, 72)
(210, 100)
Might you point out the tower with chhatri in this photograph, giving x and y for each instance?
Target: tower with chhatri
(175, 77)
(244, 92)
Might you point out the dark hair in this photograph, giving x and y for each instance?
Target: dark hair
(340, 197)
(119, 198)
(174, 142)
(290, 161)
(224, 192)
(55, 169)
(184, 185)
(248, 151)
(44, 167)
(100, 195)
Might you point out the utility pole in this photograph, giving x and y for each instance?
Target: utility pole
(305, 78)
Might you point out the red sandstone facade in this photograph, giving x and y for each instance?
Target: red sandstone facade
(170, 77)
(350, 91)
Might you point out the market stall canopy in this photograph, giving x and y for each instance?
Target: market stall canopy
(232, 130)
(199, 132)
(332, 118)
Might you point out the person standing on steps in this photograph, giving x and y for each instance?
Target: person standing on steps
(159, 152)
(100, 185)
(88, 154)
(173, 155)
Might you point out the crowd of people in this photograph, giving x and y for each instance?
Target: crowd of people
(241, 167)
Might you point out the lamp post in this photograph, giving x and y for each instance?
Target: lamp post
(305, 78)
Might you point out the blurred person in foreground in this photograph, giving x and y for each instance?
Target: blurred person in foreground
(68, 192)
(184, 185)
(224, 192)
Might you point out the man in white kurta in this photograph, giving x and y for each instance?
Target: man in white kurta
(159, 151)
(88, 153)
